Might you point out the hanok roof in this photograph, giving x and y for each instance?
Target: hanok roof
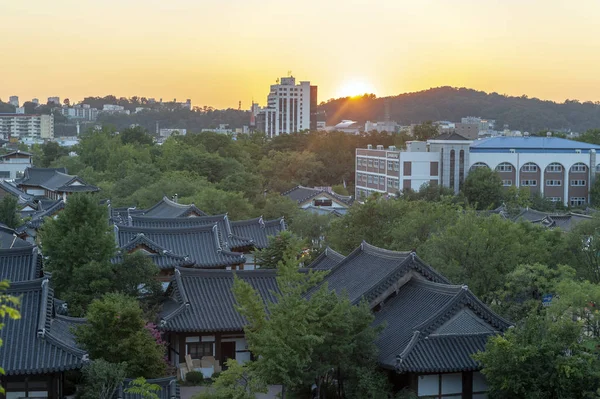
(432, 327)
(566, 221)
(201, 243)
(20, 263)
(37, 343)
(163, 258)
(37, 218)
(10, 188)
(258, 230)
(169, 389)
(370, 272)
(202, 300)
(54, 179)
(302, 194)
(326, 260)
(17, 154)
(228, 239)
(167, 208)
(326, 210)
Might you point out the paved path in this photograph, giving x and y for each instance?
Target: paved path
(189, 392)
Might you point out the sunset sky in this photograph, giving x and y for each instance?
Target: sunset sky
(219, 52)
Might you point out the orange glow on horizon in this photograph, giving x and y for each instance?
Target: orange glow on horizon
(219, 53)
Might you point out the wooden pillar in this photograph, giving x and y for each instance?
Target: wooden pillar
(467, 384)
(181, 347)
(218, 348)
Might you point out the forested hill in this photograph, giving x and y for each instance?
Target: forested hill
(449, 103)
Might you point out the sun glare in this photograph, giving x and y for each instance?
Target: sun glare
(354, 88)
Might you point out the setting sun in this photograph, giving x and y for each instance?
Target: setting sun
(355, 88)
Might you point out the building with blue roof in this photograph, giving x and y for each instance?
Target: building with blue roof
(559, 169)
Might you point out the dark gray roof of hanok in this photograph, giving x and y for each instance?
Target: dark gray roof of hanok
(201, 243)
(162, 257)
(228, 239)
(565, 222)
(10, 188)
(20, 264)
(37, 343)
(54, 179)
(258, 230)
(432, 327)
(169, 389)
(37, 218)
(301, 194)
(326, 260)
(17, 152)
(202, 300)
(369, 272)
(167, 208)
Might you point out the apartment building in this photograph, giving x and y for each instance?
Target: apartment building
(290, 108)
(559, 169)
(80, 112)
(27, 125)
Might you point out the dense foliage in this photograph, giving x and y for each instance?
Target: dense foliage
(116, 332)
(9, 212)
(449, 103)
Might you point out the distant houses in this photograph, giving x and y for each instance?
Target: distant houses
(320, 200)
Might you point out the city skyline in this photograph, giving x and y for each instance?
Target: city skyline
(219, 54)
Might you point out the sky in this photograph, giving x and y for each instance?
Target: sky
(219, 52)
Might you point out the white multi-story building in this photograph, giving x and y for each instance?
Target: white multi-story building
(170, 132)
(13, 164)
(115, 109)
(25, 125)
(82, 112)
(290, 108)
(559, 169)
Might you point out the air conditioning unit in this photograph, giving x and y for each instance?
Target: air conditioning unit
(392, 148)
(380, 147)
(369, 146)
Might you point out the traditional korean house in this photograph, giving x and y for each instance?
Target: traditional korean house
(200, 244)
(319, 199)
(258, 230)
(52, 183)
(431, 327)
(327, 260)
(167, 208)
(47, 209)
(19, 260)
(39, 347)
(199, 317)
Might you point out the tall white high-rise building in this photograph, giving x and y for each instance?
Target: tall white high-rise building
(290, 108)
(24, 125)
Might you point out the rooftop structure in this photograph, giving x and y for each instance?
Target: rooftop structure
(319, 197)
(52, 183)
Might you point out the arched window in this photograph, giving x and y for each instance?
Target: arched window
(579, 168)
(504, 167)
(554, 167)
(478, 165)
(529, 167)
(461, 167)
(452, 167)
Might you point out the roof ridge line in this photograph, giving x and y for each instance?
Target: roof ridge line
(425, 325)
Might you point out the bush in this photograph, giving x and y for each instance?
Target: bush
(194, 377)
(215, 375)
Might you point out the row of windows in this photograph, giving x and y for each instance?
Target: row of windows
(377, 180)
(551, 183)
(531, 167)
(375, 163)
(577, 201)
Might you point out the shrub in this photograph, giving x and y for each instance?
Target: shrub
(215, 375)
(194, 377)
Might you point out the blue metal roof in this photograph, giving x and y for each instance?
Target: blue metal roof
(530, 144)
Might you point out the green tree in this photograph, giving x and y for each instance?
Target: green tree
(322, 339)
(591, 136)
(481, 251)
(525, 287)
(143, 388)
(483, 188)
(80, 235)
(8, 309)
(583, 244)
(51, 152)
(101, 379)
(9, 212)
(541, 359)
(136, 135)
(115, 331)
(284, 170)
(237, 382)
(425, 131)
(312, 227)
(282, 245)
(517, 198)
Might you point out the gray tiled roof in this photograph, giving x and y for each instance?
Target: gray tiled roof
(326, 260)
(228, 239)
(423, 310)
(32, 344)
(202, 300)
(12, 189)
(201, 243)
(169, 389)
(167, 208)
(161, 257)
(302, 194)
(19, 264)
(369, 271)
(258, 230)
(54, 179)
(37, 218)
